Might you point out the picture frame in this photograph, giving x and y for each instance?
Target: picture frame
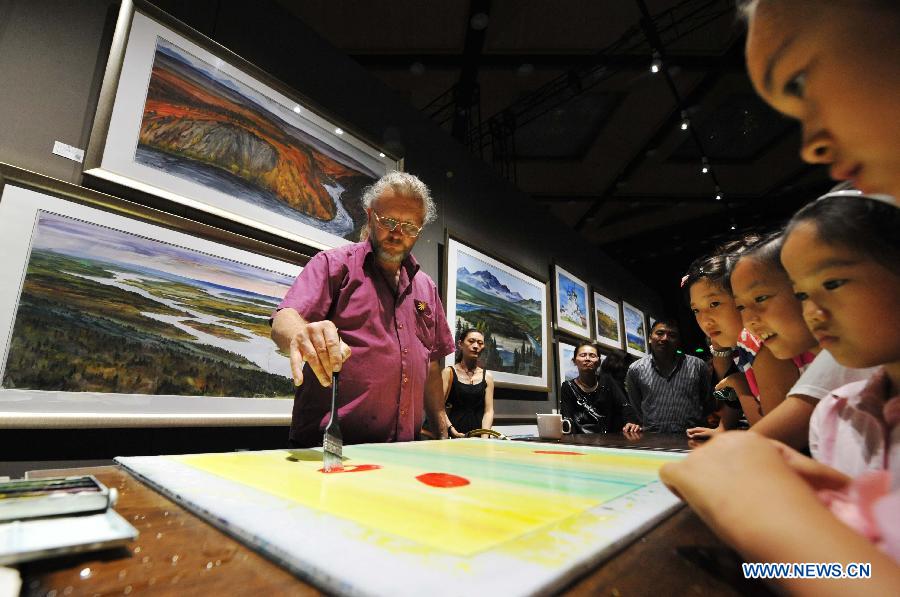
(566, 369)
(164, 320)
(484, 292)
(183, 121)
(635, 331)
(572, 308)
(608, 325)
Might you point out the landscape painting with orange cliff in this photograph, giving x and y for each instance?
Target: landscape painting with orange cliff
(205, 126)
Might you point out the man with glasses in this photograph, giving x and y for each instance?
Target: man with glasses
(371, 301)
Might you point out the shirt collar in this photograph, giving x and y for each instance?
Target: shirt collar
(679, 358)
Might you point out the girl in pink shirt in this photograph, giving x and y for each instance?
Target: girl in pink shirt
(843, 255)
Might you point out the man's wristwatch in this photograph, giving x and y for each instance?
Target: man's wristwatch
(721, 353)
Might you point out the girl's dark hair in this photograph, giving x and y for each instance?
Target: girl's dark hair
(868, 226)
(714, 267)
(766, 250)
(614, 364)
(462, 336)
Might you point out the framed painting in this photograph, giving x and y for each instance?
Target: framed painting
(114, 314)
(572, 307)
(508, 306)
(186, 120)
(635, 330)
(565, 366)
(608, 322)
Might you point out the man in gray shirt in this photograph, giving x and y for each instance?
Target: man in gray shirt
(668, 388)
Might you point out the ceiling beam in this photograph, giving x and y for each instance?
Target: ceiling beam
(642, 198)
(562, 61)
(466, 90)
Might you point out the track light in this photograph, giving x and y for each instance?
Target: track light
(705, 166)
(656, 63)
(685, 123)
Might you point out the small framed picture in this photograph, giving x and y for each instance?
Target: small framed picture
(572, 310)
(608, 321)
(635, 330)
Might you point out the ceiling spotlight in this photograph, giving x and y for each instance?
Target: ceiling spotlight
(525, 69)
(297, 109)
(718, 196)
(338, 131)
(656, 63)
(705, 168)
(381, 155)
(732, 227)
(685, 123)
(479, 21)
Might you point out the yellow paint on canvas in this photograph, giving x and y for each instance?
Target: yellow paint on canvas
(513, 490)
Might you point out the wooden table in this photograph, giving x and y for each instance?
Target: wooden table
(180, 554)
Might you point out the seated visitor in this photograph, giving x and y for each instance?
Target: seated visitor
(593, 401)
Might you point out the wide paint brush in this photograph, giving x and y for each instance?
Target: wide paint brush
(333, 443)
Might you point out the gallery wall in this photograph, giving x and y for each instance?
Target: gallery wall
(52, 56)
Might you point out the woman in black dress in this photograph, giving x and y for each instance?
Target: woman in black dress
(593, 402)
(468, 388)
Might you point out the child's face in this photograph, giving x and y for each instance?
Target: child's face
(714, 311)
(833, 66)
(849, 302)
(765, 299)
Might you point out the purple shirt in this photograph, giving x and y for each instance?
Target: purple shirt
(393, 335)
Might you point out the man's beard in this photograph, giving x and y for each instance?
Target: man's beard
(386, 257)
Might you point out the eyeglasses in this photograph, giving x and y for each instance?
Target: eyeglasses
(390, 224)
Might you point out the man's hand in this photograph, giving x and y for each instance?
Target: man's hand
(631, 428)
(316, 343)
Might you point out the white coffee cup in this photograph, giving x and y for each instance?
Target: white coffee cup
(552, 426)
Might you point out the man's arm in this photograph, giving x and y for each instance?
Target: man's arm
(434, 400)
(316, 343)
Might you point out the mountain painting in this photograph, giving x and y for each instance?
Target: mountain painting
(102, 310)
(507, 310)
(202, 125)
(635, 334)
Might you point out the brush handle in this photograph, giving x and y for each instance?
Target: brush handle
(334, 393)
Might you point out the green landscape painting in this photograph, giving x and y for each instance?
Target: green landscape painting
(102, 310)
(606, 314)
(506, 310)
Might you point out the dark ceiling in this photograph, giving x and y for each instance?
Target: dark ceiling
(559, 97)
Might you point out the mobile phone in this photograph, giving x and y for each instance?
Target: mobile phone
(57, 496)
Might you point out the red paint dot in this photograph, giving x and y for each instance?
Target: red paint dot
(558, 452)
(442, 480)
(353, 468)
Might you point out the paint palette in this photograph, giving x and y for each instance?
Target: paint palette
(453, 516)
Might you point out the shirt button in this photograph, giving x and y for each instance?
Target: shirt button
(405, 350)
(405, 379)
(403, 411)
